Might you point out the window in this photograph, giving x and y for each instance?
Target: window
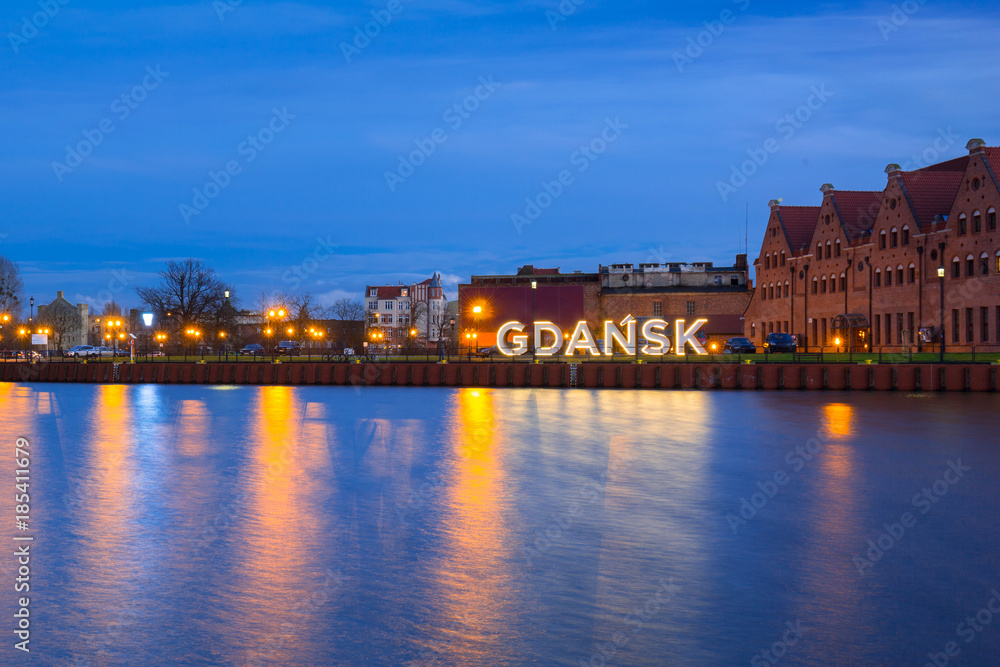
(822, 285)
(991, 220)
(977, 222)
(899, 274)
(819, 251)
(767, 261)
(968, 325)
(388, 305)
(388, 319)
(888, 329)
(878, 277)
(843, 282)
(403, 293)
(690, 307)
(909, 328)
(911, 273)
(954, 325)
(829, 250)
(786, 289)
(888, 276)
(770, 292)
(657, 308)
(877, 330)
(836, 248)
(782, 257)
(373, 305)
(963, 227)
(881, 240)
(815, 286)
(984, 325)
(893, 238)
(984, 264)
(970, 266)
(734, 280)
(998, 261)
(956, 268)
(763, 292)
(373, 292)
(753, 330)
(906, 235)
(717, 280)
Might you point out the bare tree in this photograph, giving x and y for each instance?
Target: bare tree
(112, 309)
(11, 288)
(189, 293)
(352, 313)
(61, 319)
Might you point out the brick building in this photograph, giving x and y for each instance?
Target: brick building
(670, 291)
(874, 257)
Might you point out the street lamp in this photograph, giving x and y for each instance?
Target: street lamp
(534, 288)
(941, 283)
(31, 313)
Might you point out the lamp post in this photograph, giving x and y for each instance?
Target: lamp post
(534, 288)
(31, 313)
(22, 334)
(941, 283)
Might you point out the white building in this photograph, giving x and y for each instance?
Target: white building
(407, 314)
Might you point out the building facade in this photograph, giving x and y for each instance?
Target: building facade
(670, 291)
(874, 257)
(408, 315)
(67, 323)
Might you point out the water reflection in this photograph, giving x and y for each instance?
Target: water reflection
(473, 579)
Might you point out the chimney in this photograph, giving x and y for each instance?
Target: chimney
(59, 295)
(741, 262)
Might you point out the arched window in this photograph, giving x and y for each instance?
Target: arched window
(815, 285)
(893, 238)
(822, 285)
(888, 276)
(763, 292)
(906, 235)
(984, 264)
(956, 268)
(843, 282)
(878, 277)
(911, 273)
(767, 261)
(963, 225)
(881, 240)
(819, 251)
(786, 289)
(977, 222)
(770, 291)
(998, 261)
(970, 265)
(836, 248)
(991, 219)
(782, 257)
(829, 250)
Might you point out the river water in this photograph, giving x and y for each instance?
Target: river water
(424, 526)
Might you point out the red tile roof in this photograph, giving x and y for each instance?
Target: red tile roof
(386, 291)
(799, 223)
(993, 162)
(857, 210)
(958, 164)
(931, 193)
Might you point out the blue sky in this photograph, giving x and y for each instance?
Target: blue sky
(890, 86)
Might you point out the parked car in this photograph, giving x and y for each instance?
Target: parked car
(78, 351)
(252, 350)
(485, 352)
(739, 345)
(289, 347)
(779, 342)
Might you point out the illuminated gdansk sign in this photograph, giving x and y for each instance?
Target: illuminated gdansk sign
(550, 338)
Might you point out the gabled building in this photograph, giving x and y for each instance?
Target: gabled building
(407, 314)
(872, 257)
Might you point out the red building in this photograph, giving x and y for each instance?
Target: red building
(872, 258)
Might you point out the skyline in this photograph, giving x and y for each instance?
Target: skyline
(214, 75)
